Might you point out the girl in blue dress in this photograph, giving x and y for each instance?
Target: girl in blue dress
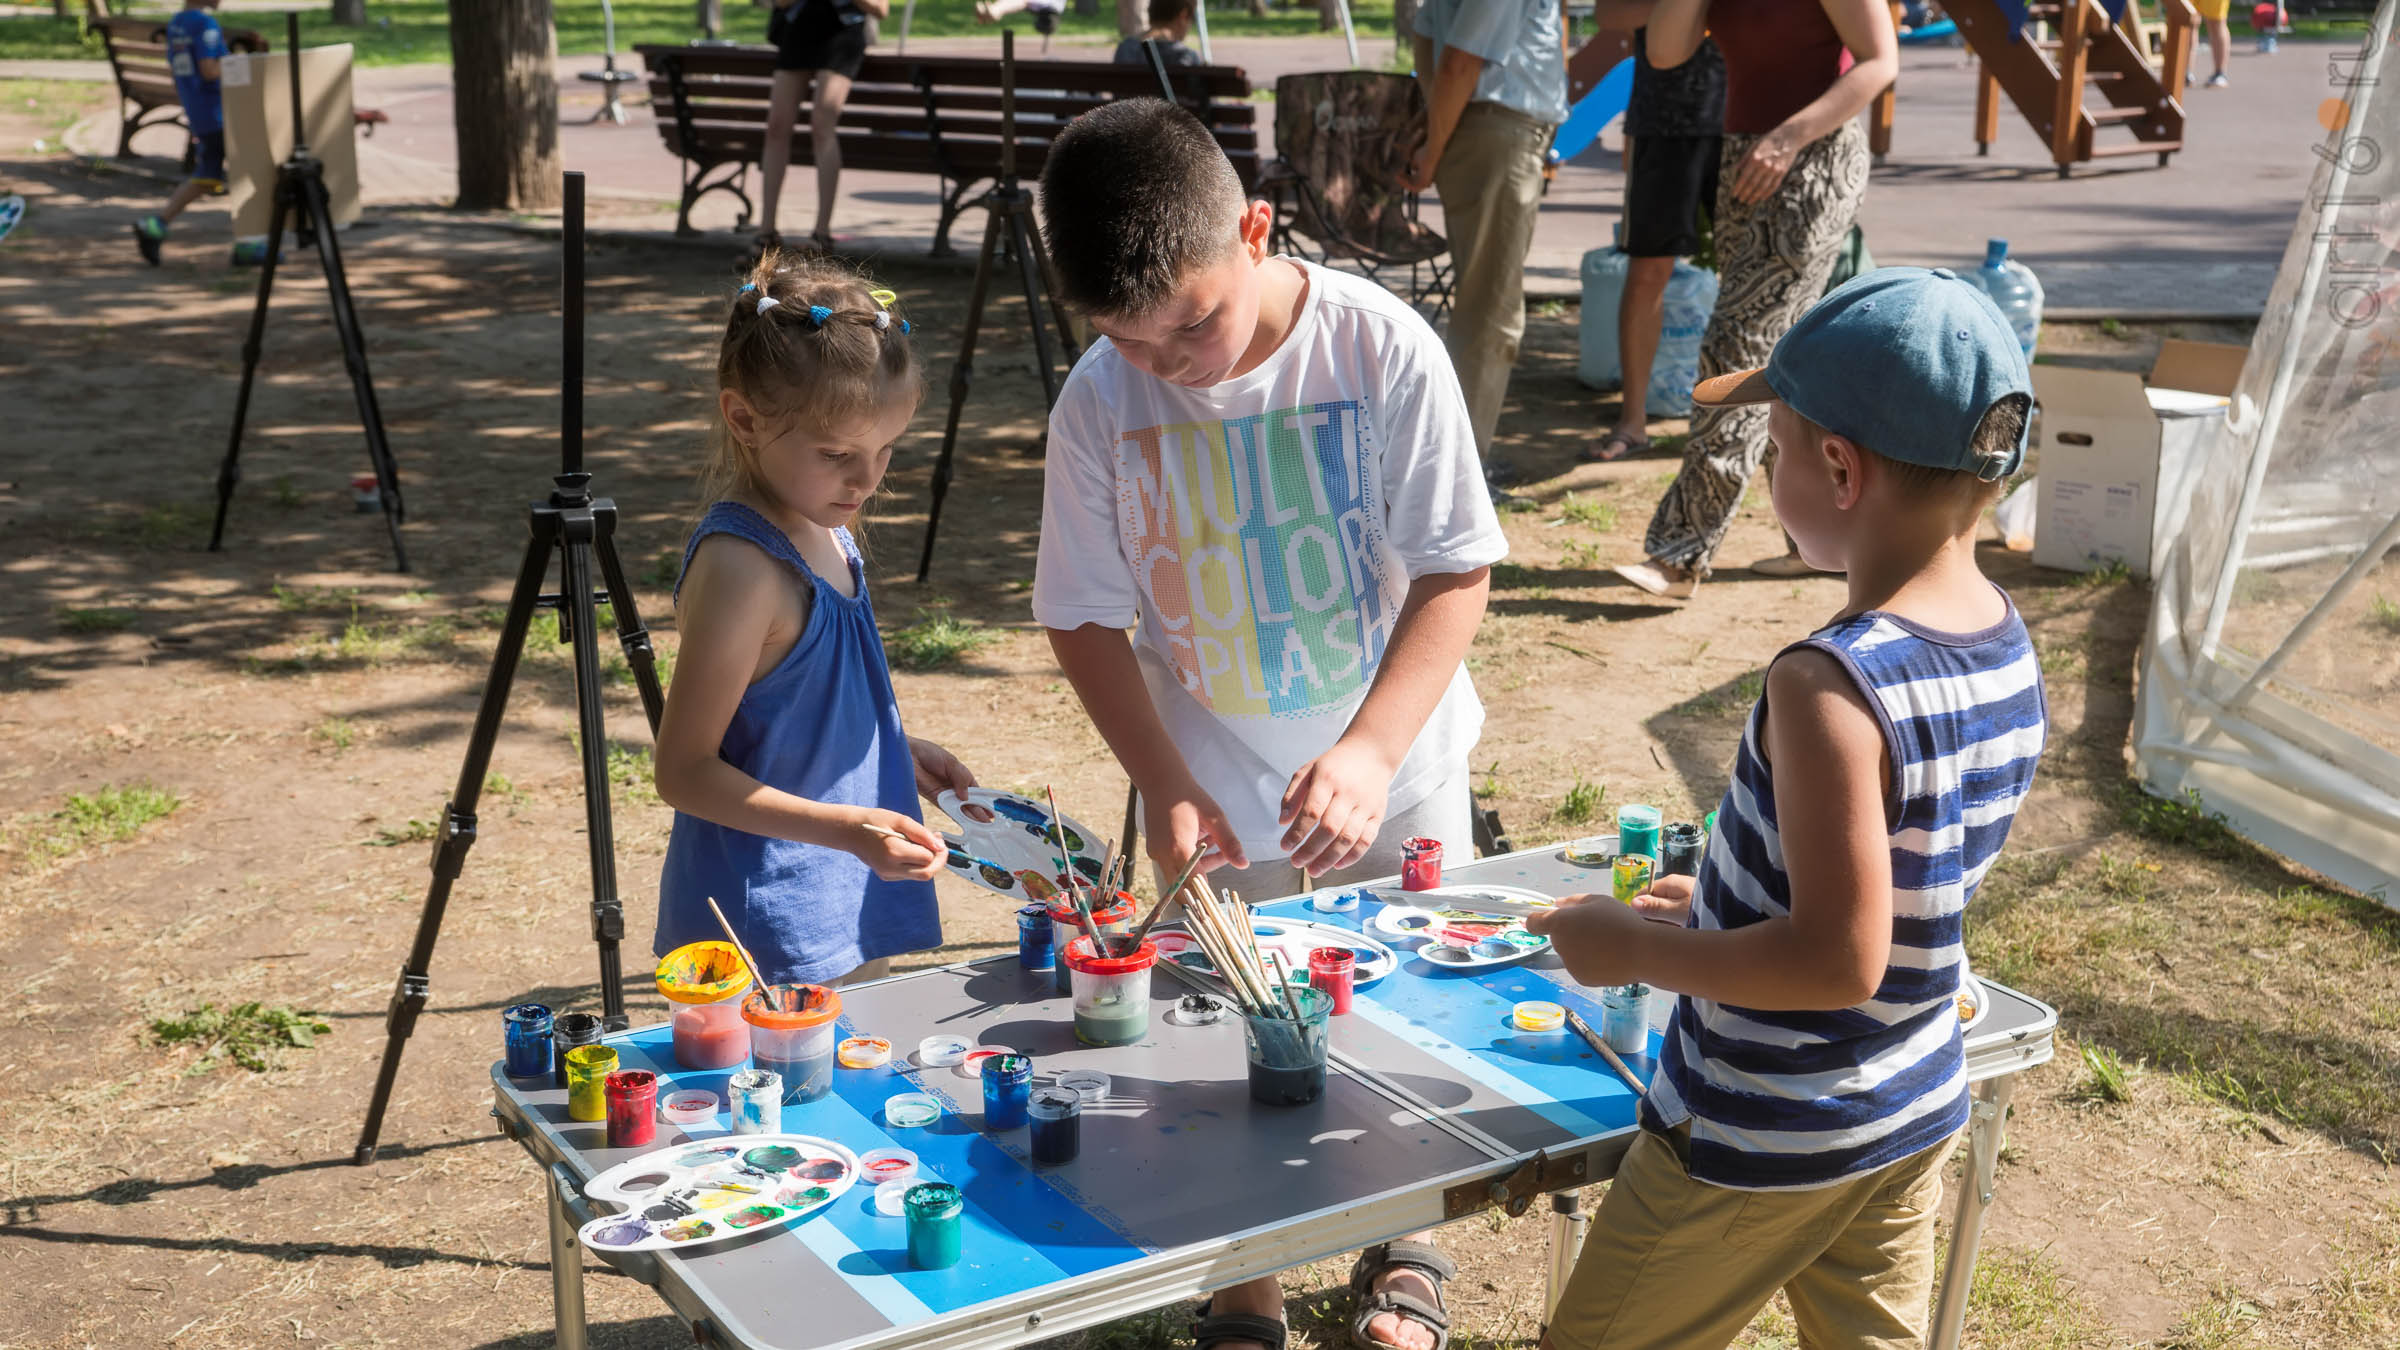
(781, 751)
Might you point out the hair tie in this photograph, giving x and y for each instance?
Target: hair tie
(747, 287)
(817, 315)
(767, 302)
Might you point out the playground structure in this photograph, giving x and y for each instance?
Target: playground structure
(2069, 66)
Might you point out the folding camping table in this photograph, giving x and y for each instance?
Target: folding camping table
(1435, 1108)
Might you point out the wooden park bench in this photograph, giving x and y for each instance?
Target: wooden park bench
(137, 53)
(934, 115)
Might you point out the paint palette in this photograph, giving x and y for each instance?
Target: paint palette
(709, 1191)
(1512, 902)
(1293, 939)
(1015, 852)
(1456, 939)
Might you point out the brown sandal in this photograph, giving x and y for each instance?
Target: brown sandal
(1624, 444)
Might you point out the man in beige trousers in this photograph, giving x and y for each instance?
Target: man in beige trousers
(1495, 75)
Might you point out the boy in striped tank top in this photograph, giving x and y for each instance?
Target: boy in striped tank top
(1812, 1079)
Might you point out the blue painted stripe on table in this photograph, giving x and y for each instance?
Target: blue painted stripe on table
(1464, 1017)
(1007, 1204)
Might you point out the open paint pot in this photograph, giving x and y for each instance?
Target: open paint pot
(1007, 1083)
(568, 1031)
(1332, 969)
(1287, 1058)
(1625, 1018)
(1538, 1015)
(943, 1050)
(1064, 930)
(793, 1029)
(933, 1210)
(588, 1068)
(754, 1098)
(1637, 829)
(632, 1108)
(1112, 993)
(705, 981)
(863, 1052)
(691, 1106)
(887, 1166)
(911, 1110)
(1056, 1114)
(525, 1040)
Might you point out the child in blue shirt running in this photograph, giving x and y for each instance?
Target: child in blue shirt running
(195, 49)
(781, 751)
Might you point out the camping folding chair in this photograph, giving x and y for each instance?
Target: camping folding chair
(1342, 140)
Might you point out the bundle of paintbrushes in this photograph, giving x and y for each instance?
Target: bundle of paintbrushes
(1258, 980)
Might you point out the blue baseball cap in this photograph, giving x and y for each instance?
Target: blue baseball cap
(1903, 360)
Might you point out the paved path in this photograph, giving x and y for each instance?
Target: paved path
(2200, 238)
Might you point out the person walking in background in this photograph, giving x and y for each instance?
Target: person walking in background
(826, 39)
(1495, 77)
(1790, 175)
(195, 51)
(1674, 123)
(1170, 24)
(2220, 37)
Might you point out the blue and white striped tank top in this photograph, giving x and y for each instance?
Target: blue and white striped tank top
(1790, 1100)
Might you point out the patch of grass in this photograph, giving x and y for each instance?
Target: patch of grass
(1581, 803)
(1142, 1331)
(283, 494)
(315, 599)
(168, 525)
(414, 832)
(2227, 1319)
(1508, 576)
(2114, 572)
(50, 105)
(93, 820)
(2383, 614)
(2178, 822)
(1575, 510)
(86, 621)
(497, 784)
(2114, 328)
(1734, 700)
(664, 568)
(1492, 785)
(2104, 1078)
(252, 1035)
(2021, 1301)
(630, 767)
(336, 732)
(938, 640)
(1549, 309)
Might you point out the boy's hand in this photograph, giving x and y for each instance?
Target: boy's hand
(939, 771)
(1334, 807)
(1669, 900)
(916, 856)
(1177, 822)
(1595, 936)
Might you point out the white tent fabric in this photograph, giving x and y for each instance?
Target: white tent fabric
(2270, 675)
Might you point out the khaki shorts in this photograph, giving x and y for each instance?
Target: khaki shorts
(1678, 1264)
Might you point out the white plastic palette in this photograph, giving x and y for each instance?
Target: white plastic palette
(1292, 939)
(707, 1191)
(1458, 940)
(1015, 853)
(1508, 901)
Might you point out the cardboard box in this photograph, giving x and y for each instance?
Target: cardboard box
(2117, 451)
(258, 131)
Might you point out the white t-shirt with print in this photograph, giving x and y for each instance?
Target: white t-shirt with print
(1263, 533)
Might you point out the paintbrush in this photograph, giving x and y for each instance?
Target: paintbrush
(872, 828)
(1167, 897)
(738, 949)
(1283, 980)
(1228, 955)
(1590, 1038)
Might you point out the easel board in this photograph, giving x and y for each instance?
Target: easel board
(258, 130)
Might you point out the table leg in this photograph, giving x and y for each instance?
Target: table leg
(566, 1267)
(1987, 1120)
(1567, 1223)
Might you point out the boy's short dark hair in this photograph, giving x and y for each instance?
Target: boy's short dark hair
(1136, 194)
(1165, 12)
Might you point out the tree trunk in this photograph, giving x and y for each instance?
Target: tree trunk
(504, 97)
(1404, 21)
(1329, 16)
(1258, 9)
(1133, 16)
(712, 17)
(352, 13)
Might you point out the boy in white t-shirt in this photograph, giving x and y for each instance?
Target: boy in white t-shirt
(1266, 469)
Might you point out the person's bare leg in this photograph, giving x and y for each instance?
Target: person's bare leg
(1392, 1328)
(1260, 1297)
(1640, 314)
(186, 192)
(2220, 37)
(824, 134)
(783, 109)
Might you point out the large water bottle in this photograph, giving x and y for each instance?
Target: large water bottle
(2015, 289)
(1691, 298)
(1598, 364)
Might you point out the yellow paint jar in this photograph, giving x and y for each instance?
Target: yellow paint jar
(588, 1068)
(1538, 1015)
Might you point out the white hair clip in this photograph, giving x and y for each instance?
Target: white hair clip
(767, 302)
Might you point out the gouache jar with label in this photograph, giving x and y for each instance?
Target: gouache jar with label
(1064, 930)
(934, 1210)
(793, 1031)
(525, 1040)
(705, 981)
(1007, 1084)
(1056, 1114)
(588, 1068)
(1679, 849)
(1637, 829)
(1112, 993)
(632, 1096)
(1287, 1058)
(1332, 969)
(569, 1031)
(1037, 939)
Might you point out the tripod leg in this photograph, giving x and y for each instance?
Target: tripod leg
(229, 470)
(319, 210)
(458, 825)
(1058, 307)
(631, 635)
(1020, 228)
(960, 372)
(608, 914)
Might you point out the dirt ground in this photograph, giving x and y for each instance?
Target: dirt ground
(306, 707)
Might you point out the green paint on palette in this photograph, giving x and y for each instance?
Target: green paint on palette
(772, 1157)
(753, 1216)
(813, 1195)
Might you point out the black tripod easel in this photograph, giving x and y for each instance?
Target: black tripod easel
(300, 197)
(1009, 207)
(580, 530)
